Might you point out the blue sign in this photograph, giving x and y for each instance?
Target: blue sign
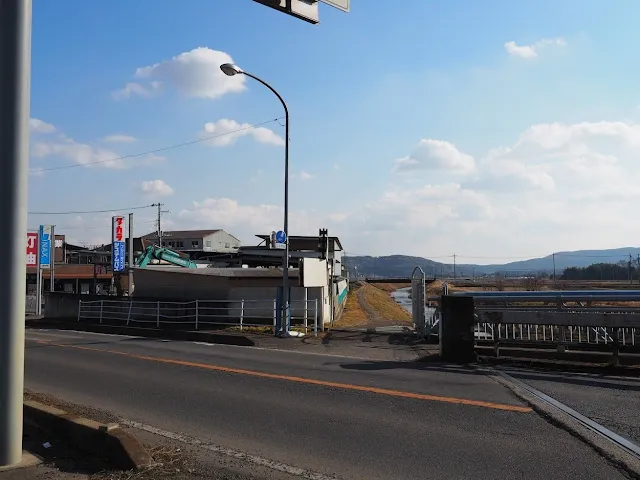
(118, 257)
(44, 240)
(281, 237)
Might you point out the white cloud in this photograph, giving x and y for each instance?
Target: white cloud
(533, 50)
(38, 126)
(305, 175)
(194, 74)
(225, 132)
(556, 187)
(437, 155)
(119, 138)
(156, 187)
(80, 153)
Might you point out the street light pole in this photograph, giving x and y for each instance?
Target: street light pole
(15, 83)
(283, 328)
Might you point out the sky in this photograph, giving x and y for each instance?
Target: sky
(490, 130)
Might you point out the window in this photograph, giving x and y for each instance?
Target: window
(180, 244)
(208, 243)
(227, 245)
(195, 243)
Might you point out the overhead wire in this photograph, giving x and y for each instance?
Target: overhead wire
(81, 212)
(162, 149)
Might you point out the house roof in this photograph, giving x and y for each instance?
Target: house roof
(224, 272)
(183, 233)
(307, 238)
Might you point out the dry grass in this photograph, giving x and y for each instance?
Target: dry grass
(384, 305)
(353, 314)
(390, 287)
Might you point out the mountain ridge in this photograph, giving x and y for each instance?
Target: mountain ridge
(403, 265)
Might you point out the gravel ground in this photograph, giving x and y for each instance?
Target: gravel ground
(174, 460)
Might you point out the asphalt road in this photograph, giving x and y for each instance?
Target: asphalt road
(339, 416)
(613, 402)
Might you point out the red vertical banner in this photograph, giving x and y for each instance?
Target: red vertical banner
(32, 249)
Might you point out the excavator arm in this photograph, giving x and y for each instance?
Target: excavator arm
(154, 252)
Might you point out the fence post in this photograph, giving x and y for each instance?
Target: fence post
(129, 314)
(158, 314)
(315, 316)
(616, 346)
(241, 313)
(79, 308)
(101, 307)
(197, 308)
(275, 314)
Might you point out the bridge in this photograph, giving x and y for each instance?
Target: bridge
(394, 280)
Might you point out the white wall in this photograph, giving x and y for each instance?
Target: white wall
(220, 242)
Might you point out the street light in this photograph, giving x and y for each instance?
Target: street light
(283, 328)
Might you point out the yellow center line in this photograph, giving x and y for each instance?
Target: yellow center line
(310, 381)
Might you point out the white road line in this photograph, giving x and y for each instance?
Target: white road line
(255, 459)
(80, 332)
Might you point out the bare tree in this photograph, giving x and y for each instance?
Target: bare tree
(532, 284)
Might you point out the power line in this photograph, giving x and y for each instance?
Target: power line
(91, 211)
(82, 227)
(158, 150)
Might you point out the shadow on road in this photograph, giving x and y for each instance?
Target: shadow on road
(429, 365)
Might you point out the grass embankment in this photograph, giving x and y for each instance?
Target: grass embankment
(383, 304)
(390, 287)
(353, 314)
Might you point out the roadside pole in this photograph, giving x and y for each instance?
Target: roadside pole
(130, 287)
(52, 256)
(15, 86)
(39, 278)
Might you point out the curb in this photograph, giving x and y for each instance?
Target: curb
(611, 452)
(184, 335)
(122, 449)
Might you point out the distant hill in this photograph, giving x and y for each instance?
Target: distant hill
(403, 265)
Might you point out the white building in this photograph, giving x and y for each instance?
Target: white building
(210, 241)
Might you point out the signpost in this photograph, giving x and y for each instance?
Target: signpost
(32, 249)
(118, 243)
(43, 261)
(281, 239)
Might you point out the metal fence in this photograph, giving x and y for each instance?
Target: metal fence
(199, 314)
(565, 318)
(30, 305)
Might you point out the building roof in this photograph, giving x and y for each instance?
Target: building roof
(307, 238)
(226, 272)
(183, 233)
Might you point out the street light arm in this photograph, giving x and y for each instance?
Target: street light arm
(286, 301)
(275, 92)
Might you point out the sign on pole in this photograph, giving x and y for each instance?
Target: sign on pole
(32, 249)
(45, 246)
(118, 243)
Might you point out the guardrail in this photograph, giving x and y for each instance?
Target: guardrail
(591, 320)
(198, 314)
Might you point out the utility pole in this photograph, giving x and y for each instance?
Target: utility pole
(15, 88)
(159, 220)
(454, 266)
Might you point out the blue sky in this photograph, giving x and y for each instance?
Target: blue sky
(417, 129)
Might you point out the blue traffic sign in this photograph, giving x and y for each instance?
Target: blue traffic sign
(281, 237)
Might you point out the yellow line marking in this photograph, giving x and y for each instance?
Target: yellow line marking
(310, 381)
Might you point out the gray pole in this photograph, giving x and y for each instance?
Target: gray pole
(130, 289)
(52, 268)
(15, 58)
(283, 327)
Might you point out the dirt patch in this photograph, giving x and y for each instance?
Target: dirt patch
(381, 306)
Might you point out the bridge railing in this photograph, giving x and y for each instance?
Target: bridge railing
(591, 320)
